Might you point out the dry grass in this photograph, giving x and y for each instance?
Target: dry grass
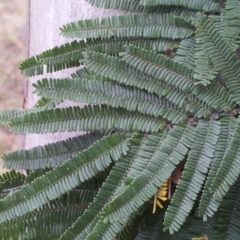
(12, 52)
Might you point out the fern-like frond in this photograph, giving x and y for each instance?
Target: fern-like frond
(58, 58)
(159, 168)
(217, 96)
(130, 26)
(87, 118)
(185, 52)
(70, 54)
(47, 103)
(133, 6)
(159, 66)
(229, 213)
(204, 70)
(125, 5)
(10, 181)
(171, 72)
(225, 98)
(181, 12)
(112, 94)
(231, 30)
(31, 67)
(115, 46)
(219, 20)
(229, 169)
(208, 205)
(63, 54)
(7, 115)
(33, 174)
(224, 59)
(50, 155)
(194, 174)
(64, 178)
(206, 5)
(82, 73)
(141, 160)
(49, 221)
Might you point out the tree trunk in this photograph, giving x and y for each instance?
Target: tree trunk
(45, 19)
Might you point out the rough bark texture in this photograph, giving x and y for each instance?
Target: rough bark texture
(45, 19)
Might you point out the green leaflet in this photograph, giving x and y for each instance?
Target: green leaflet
(196, 4)
(134, 6)
(32, 66)
(224, 59)
(89, 118)
(82, 73)
(47, 103)
(204, 70)
(229, 169)
(6, 116)
(194, 174)
(10, 181)
(63, 178)
(208, 205)
(231, 31)
(33, 174)
(149, 145)
(185, 52)
(228, 215)
(124, 5)
(56, 59)
(179, 76)
(130, 26)
(168, 70)
(51, 220)
(114, 46)
(50, 155)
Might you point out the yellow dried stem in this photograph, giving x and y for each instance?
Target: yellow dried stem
(160, 196)
(201, 238)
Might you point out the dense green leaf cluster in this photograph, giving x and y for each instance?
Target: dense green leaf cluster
(161, 88)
